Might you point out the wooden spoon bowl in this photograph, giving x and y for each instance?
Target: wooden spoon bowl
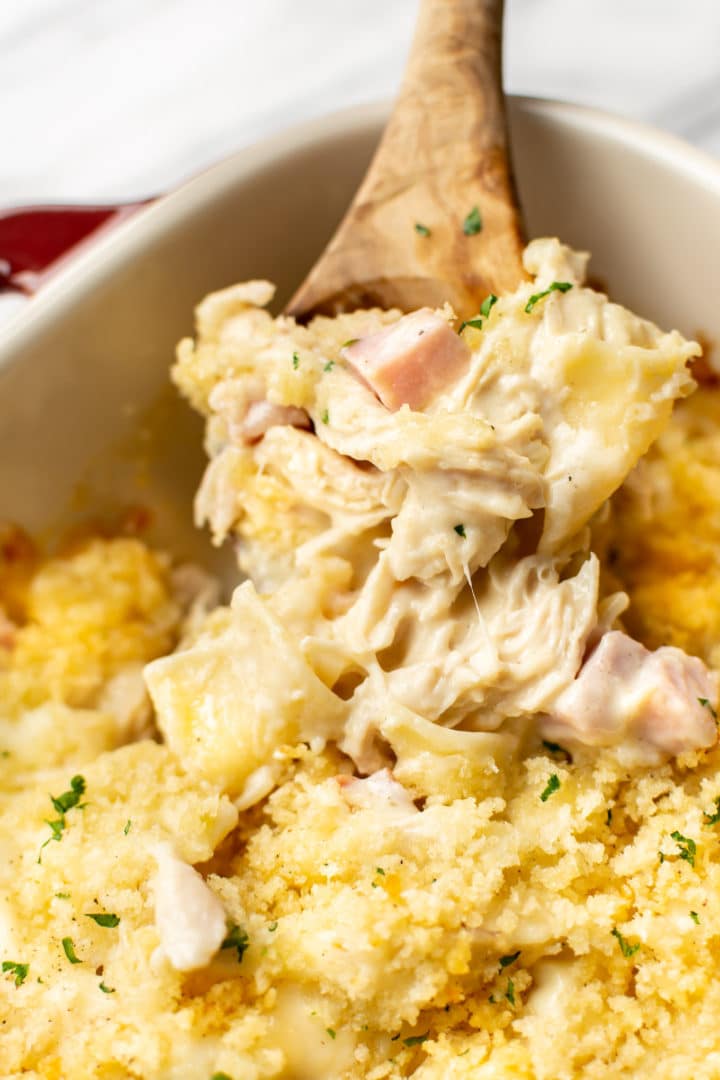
(436, 218)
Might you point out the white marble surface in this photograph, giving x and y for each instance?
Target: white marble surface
(112, 99)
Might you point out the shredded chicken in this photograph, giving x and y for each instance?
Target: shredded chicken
(189, 918)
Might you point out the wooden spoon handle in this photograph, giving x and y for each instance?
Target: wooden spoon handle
(413, 235)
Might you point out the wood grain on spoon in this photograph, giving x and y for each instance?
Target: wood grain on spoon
(410, 237)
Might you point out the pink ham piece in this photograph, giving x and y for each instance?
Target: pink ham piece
(656, 703)
(410, 362)
(262, 415)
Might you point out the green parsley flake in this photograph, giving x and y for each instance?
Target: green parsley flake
(510, 992)
(58, 827)
(329, 366)
(220, 1076)
(712, 819)
(296, 361)
(70, 951)
(488, 304)
(272, 927)
(706, 705)
(475, 323)
(472, 224)
(422, 230)
(20, 971)
(460, 530)
(71, 798)
(107, 989)
(555, 748)
(505, 961)
(325, 417)
(236, 939)
(63, 803)
(551, 787)
(686, 846)
(128, 826)
(626, 948)
(63, 895)
(331, 1033)
(105, 919)
(379, 870)
(695, 917)
(557, 286)
(416, 1040)
(349, 342)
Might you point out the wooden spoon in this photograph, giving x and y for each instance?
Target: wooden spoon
(436, 217)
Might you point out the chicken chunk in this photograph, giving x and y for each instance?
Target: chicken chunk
(378, 789)
(657, 703)
(189, 917)
(411, 361)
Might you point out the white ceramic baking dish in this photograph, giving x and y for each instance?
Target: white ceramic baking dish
(88, 422)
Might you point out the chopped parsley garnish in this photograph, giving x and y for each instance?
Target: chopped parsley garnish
(236, 938)
(128, 826)
(712, 819)
(706, 705)
(416, 1040)
(422, 230)
(488, 304)
(63, 895)
(272, 927)
(460, 530)
(329, 366)
(510, 992)
(296, 361)
(107, 989)
(557, 286)
(63, 803)
(551, 787)
(695, 917)
(220, 1076)
(626, 948)
(475, 323)
(20, 971)
(325, 417)
(104, 919)
(69, 948)
(57, 827)
(350, 341)
(555, 748)
(331, 1033)
(70, 798)
(472, 224)
(686, 846)
(506, 961)
(379, 870)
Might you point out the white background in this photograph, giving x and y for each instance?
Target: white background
(115, 99)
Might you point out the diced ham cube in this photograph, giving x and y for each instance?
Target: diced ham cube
(660, 703)
(410, 362)
(262, 415)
